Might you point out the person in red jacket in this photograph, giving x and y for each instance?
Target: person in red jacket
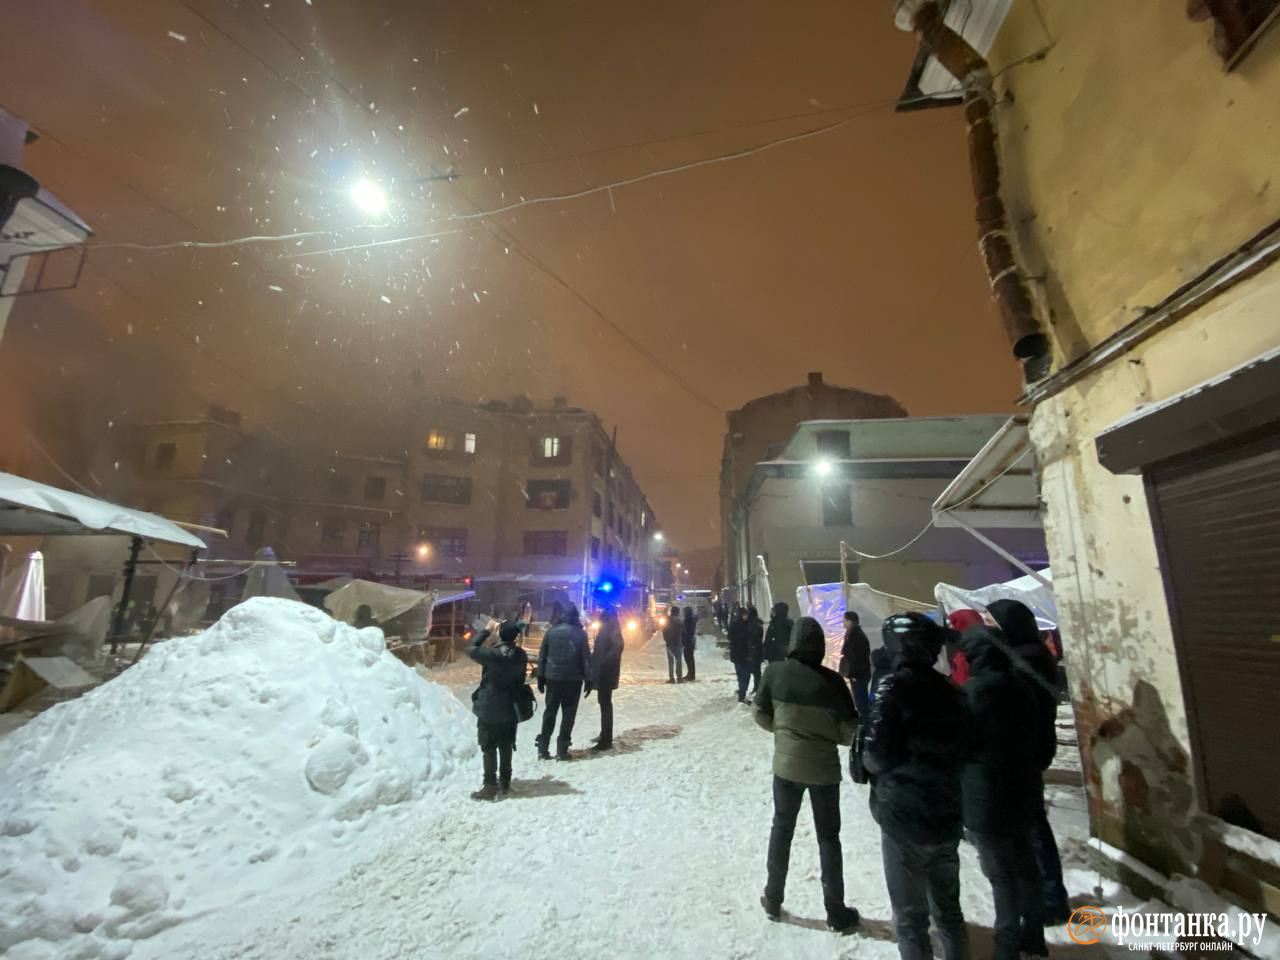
(960, 621)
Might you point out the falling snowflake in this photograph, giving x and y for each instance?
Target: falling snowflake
(385, 298)
(275, 288)
(461, 112)
(174, 34)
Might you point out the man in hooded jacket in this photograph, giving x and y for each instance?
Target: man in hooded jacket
(502, 674)
(673, 637)
(606, 668)
(778, 635)
(740, 652)
(563, 667)
(1034, 661)
(1003, 793)
(855, 660)
(912, 748)
(809, 711)
(690, 642)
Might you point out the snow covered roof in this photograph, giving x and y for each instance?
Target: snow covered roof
(28, 508)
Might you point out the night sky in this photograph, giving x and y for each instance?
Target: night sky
(660, 304)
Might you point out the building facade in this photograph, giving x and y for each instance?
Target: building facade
(529, 503)
(871, 484)
(756, 432)
(1136, 148)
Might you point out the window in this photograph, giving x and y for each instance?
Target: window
(375, 489)
(340, 486)
(441, 488)
(446, 541)
(469, 443)
(837, 505)
(833, 443)
(547, 494)
(370, 534)
(254, 533)
(1237, 24)
(595, 504)
(546, 543)
(438, 440)
(166, 453)
(331, 533)
(551, 450)
(595, 548)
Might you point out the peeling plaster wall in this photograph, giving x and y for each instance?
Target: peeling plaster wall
(1131, 163)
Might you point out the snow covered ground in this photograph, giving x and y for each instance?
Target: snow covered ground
(653, 850)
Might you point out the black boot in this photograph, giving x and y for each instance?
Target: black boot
(488, 792)
(562, 749)
(602, 745)
(842, 920)
(772, 909)
(541, 744)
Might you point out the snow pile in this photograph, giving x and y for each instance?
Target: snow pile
(220, 766)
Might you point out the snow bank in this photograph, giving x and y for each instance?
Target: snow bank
(220, 766)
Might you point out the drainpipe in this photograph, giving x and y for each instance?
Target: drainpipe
(1008, 284)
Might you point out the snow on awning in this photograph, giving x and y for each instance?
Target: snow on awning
(28, 508)
(998, 487)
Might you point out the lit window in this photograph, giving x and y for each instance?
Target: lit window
(550, 447)
(436, 440)
(469, 443)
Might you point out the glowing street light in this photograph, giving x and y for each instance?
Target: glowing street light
(368, 196)
(658, 536)
(823, 468)
(424, 551)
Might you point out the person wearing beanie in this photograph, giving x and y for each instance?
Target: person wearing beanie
(755, 647)
(1003, 793)
(912, 749)
(690, 643)
(778, 636)
(606, 669)
(564, 666)
(502, 673)
(1032, 658)
(808, 709)
(960, 621)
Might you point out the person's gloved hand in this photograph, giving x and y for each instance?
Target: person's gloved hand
(542, 685)
(587, 691)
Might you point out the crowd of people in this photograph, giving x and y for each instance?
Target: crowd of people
(947, 755)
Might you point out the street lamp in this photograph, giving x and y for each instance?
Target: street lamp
(424, 551)
(658, 536)
(823, 468)
(368, 196)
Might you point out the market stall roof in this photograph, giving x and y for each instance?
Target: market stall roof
(28, 508)
(998, 487)
(386, 602)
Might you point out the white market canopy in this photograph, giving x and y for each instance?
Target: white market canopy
(998, 487)
(1031, 591)
(28, 508)
(386, 602)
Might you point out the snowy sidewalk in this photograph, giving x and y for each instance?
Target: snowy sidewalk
(654, 850)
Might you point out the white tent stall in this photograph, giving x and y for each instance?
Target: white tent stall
(1029, 590)
(827, 602)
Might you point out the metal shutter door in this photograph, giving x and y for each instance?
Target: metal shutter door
(1217, 519)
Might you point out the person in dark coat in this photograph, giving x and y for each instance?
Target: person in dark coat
(1037, 663)
(502, 674)
(912, 748)
(606, 668)
(755, 646)
(809, 711)
(778, 636)
(740, 652)
(690, 642)
(855, 660)
(563, 667)
(1003, 794)
(673, 637)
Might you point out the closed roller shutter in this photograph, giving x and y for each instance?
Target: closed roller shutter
(1217, 517)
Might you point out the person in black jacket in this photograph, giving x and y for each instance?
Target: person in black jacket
(855, 660)
(502, 674)
(673, 637)
(740, 652)
(778, 635)
(690, 641)
(1003, 793)
(755, 646)
(912, 748)
(1035, 661)
(563, 667)
(606, 667)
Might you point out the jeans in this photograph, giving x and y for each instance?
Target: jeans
(688, 659)
(743, 670)
(924, 881)
(605, 696)
(1053, 895)
(675, 664)
(825, 801)
(562, 696)
(496, 743)
(1010, 865)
